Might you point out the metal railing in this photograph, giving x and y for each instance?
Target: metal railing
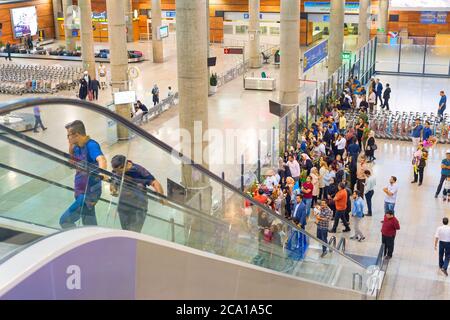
(240, 68)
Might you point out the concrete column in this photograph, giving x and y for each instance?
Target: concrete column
(70, 41)
(119, 57)
(57, 7)
(158, 50)
(336, 40)
(364, 23)
(290, 51)
(208, 39)
(254, 33)
(129, 13)
(193, 92)
(87, 36)
(383, 18)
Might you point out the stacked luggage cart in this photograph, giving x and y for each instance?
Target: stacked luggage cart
(398, 125)
(19, 79)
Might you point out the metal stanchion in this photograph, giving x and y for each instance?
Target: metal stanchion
(242, 173)
(259, 161)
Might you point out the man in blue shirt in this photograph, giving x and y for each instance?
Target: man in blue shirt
(130, 184)
(87, 156)
(427, 132)
(442, 105)
(357, 214)
(379, 91)
(445, 172)
(416, 133)
(37, 119)
(354, 149)
(300, 211)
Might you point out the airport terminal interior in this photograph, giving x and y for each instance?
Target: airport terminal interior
(224, 149)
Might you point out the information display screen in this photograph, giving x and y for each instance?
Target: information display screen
(164, 32)
(24, 21)
(124, 97)
(420, 5)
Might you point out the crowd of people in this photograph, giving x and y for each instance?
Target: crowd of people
(327, 176)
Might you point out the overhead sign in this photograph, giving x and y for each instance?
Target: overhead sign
(433, 17)
(233, 50)
(324, 7)
(315, 55)
(420, 5)
(346, 55)
(239, 16)
(247, 16)
(169, 14)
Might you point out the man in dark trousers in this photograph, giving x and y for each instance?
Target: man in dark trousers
(442, 237)
(94, 86)
(388, 233)
(442, 105)
(8, 51)
(378, 91)
(37, 119)
(340, 201)
(300, 212)
(386, 96)
(445, 172)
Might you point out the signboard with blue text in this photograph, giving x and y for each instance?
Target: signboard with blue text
(169, 14)
(433, 17)
(324, 7)
(315, 55)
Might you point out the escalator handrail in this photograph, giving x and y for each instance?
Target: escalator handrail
(31, 102)
(59, 185)
(33, 176)
(65, 161)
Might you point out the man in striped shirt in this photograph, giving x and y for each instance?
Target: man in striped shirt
(323, 216)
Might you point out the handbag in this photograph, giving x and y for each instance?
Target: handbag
(374, 147)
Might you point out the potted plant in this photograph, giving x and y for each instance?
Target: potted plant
(213, 83)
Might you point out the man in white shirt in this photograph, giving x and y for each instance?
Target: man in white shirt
(390, 195)
(443, 236)
(340, 144)
(294, 167)
(102, 75)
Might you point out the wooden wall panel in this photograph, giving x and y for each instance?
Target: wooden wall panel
(44, 10)
(407, 20)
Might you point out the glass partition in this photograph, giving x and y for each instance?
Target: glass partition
(411, 58)
(417, 55)
(437, 60)
(194, 207)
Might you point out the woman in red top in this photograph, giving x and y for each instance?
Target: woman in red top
(307, 190)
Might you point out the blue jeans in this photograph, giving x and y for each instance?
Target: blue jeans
(308, 203)
(369, 196)
(322, 234)
(80, 208)
(389, 207)
(444, 251)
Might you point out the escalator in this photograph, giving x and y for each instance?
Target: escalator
(37, 186)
